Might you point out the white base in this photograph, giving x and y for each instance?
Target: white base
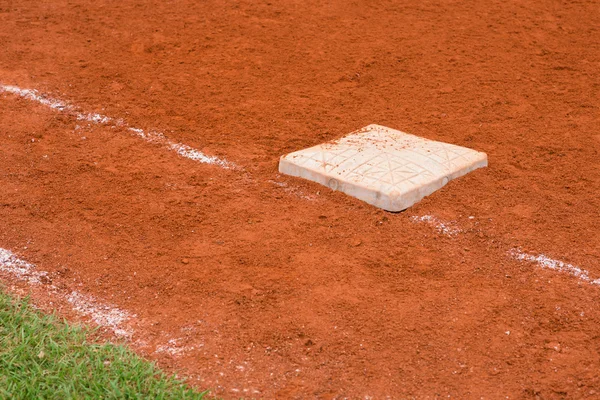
(384, 167)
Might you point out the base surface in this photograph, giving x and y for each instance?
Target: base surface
(382, 166)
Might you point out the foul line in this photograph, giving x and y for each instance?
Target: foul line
(546, 262)
(150, 136)
(450, 229)
(103, 315)
(444, 228)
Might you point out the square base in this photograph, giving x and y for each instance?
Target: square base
(384, 167)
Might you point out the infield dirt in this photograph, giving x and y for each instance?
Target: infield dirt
(258, 285)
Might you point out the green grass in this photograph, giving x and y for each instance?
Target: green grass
(44, 358)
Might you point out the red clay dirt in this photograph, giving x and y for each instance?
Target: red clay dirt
(272, 287)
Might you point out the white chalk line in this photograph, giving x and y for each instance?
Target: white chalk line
(104, 315)
(449, 229)
(293, 191)
(445, 228)
(174, 348)
(20, 269)
(149, 136)
(546, 262)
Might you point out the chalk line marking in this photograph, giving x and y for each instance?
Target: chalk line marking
(103, 315)
(445, 228)
(174, 348)
(546, 262)
(293, 191)
(543, 261)
(20, 269)
(150, 136)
